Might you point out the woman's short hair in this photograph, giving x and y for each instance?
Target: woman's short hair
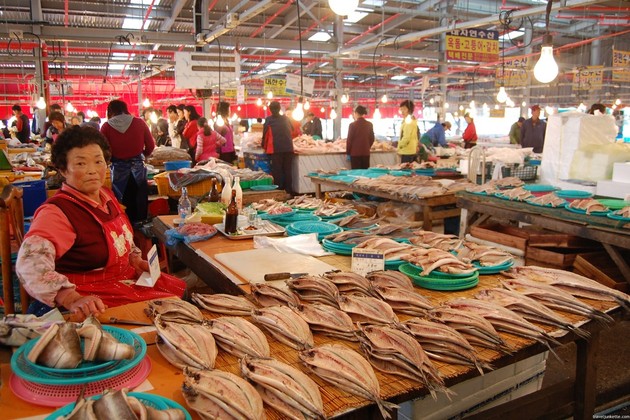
(408, 104)
(116, 107)
(56, 116)
(77, 137)
(274, 108)
(361, 110)
(223, 109)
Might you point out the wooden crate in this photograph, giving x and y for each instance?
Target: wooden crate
(501, 234)
(601, 268)
(553, 257)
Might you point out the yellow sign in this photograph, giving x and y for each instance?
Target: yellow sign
(231, 93)
(515, 72)
(621, 66)
(277, 86)
(588, 78)
(472, 45)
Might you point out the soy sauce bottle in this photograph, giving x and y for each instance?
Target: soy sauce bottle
(214, 195)
(231, 215)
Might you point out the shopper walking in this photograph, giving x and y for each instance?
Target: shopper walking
(209, 141)
(227, 152)
(408, 143)
(130, 141)
(277, 142)
(360, 139)
(515, 131)
(189, 135)
(470, 133)
(173, 118)
(21, 124)
(533, 131)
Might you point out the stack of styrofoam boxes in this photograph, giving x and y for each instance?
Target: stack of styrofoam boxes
(619, 187)
(480, 393)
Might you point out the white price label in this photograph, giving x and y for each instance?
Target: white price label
(365, 261)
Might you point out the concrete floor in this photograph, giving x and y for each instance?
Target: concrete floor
(613, 365)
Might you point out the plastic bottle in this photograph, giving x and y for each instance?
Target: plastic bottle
(231, 215)
(226, 194)
(184, 208)
(214, 196)
(239, 193)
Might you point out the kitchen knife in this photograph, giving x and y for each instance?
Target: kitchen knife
(283, 276)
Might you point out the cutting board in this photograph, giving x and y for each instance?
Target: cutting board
(253, 264)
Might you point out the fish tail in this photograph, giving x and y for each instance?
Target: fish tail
(578, 331)
(385, 407)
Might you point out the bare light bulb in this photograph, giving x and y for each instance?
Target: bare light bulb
(384, 98)
(502, 96)
(322, 109)
(298, 112)
(220, 121)
(546, 69)
(344, 98)
(270, 95)
(307, 105)
(333, 114)
(69, 107)
(343, 8)
(146, 103)
(41, 103)
(472, 104)
(259, 102)
(153, 117)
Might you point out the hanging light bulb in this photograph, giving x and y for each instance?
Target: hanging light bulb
(270, 95)
(146, 103)
(322, 109)
(153, 117)
(523, 103)
(377, 113)
(333, 114)
(496, 107)
(41, 103)
(546, 69)
(234, 117)
(220, 121)
(502, 96)
(298, 112)
(384, 98)
(259, 102)
(461, 107)
(343, 8)
(344, 98)
(431, 101)
(618, 102)
(446, 105)
(307, 105)
(472, 104)
(69, 107)
(509, 102)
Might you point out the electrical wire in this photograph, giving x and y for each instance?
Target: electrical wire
(375, 75)
(299, 19)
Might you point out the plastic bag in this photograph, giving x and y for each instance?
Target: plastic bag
(306, 244)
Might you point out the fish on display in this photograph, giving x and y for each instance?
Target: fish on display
(390, 278)
(222, 303)
(327, 320)
(555, 298)
(284, 387)
(347, 370)
(186, 344)
(402, 301)
(239, 337)
(575, 284)
(315, 289)
(215, 394)
(174, 310)
(271, 295)
(367, 309)
(59, 347)
(349, 282)
(529, 309)
(285, 325)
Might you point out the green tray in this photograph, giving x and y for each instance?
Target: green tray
(436, 283)
(614, 204)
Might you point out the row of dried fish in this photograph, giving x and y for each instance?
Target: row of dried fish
(550, 199)
(305, 202)
(589, 205)
(485, 255)
(429, 239)
(516, 194)
(356, 221)
(391, 249)
(436, 259)
(332, 208)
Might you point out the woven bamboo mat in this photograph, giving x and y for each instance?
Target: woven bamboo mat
(337, 401)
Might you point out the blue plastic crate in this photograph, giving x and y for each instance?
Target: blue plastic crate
(257, 162)
(174, 165)
(34, 195)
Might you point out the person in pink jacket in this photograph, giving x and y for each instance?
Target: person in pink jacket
(209, 141)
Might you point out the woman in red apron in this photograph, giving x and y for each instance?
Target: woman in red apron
(79, 252)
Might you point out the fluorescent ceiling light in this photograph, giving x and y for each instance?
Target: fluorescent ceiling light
(322, 65)
(373, 3)
(298, 51)
(421, 69)
(144, 2)
(511, 35)
(399, 77)
(122, 56)
(320, 36)
(275, 66)
(150, 57)
(116, 66)
(282, 61)
(540, 24)
(355, 16)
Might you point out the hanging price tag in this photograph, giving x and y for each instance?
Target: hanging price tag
(367, 260)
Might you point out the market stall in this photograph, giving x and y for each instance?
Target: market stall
(613, 233)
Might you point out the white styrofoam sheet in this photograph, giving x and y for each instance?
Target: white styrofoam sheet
(252, 265)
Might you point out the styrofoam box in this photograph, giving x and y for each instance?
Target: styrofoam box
(621, 172)
(613, 189)
(483, 392)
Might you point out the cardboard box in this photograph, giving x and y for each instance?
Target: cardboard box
(601, 268)
(613, 189)
(621, 172)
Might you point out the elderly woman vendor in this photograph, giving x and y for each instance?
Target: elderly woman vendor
(79, 252)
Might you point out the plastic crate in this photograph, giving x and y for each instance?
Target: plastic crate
(196, 190)
(34, 195)
(174, 165)
(257, 162)
(523, 172)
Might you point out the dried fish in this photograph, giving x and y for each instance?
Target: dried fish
(59, 347)
(174, 310)
(271, 295)
(349, 282)
(327, 320)
(402, 301)
(367, 309)
(390, 278)
(224, 304)
(239, 337)
(285, 325)
(315, 289)
(186, 344)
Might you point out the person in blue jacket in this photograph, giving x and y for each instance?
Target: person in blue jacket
(437, 134)
(278, 143)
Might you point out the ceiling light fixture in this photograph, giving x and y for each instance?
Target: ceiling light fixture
(298, 112)
(220, 122)
(377, 112)
(546, 69)
(259, 101)
(270, 95)
(41, 103)
(502, 95)
(344, 98)
(342, 8)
